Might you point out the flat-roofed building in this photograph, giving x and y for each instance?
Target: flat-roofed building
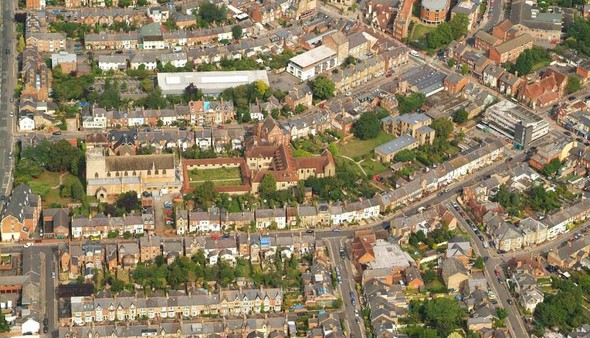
(311, 63)
(211, 83)
(515, 121)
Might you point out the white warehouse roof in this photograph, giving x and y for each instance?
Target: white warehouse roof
(211, 83)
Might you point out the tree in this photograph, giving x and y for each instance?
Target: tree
(205, 194)
(21, 44)
(552, 168)
(192, 93)
(261, 88)
(210, 13)
(236, 32)
(573, 84)
(451, 63)
(367, 126)
(128, 201)
(429, 276)
(409, 103)
(502, 313)
(170, 24)
(4, 326)
(405, 155)
(460, 116)
(443, 127)
(268, 186)
(442, 314)
(322, 87)
(563, 309)
(529, 58)
(464, 69)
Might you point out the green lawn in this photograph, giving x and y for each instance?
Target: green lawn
(373, 167)
(44, 184)
(357, 148)
(219, 177)
(541, 64)
(419, 32)
(215, 174)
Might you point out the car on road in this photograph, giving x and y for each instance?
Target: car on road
(353, 302)
(414, 53)
(567, 133)
(28, 245)
(336, 230)
(486, 258)
(11, 114)
(45, 321)
(356, 313)
(53, 274)
(571, 98)
(182, 128)
(57, 133)
(45, 329)
(509, 301)
(309, 231)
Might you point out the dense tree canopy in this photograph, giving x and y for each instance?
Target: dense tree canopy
(441, 314)
(410, 103)
(268, 186)
(237, 32)
(578, 36)
(528, 59)
(564, 309)
(552, 168)
(58, 156)
(405, 155)
(210, 13)
(322, 87)
(460, 116)
(128, 201)
(573, 84)
(367, 126)
(205, 194)
(443, 127)
(448, 31)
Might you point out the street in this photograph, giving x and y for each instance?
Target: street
(8, 78)
(347, 286)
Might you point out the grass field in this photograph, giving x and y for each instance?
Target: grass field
(357, 148)
(419, 31)
(373, 167)
(219, 177)
(44, 184)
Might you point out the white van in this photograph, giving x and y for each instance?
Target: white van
(414, 53)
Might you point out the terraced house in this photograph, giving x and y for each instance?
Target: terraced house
(105, 308)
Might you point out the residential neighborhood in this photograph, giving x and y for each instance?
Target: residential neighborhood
(295, 168)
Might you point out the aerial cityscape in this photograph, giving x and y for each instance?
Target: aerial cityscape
(295, 168)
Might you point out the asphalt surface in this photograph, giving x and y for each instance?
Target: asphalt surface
(514, 320)
(497, 14)
(8, 78)
(348, 284)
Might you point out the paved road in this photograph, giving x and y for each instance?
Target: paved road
(497, 14)
(348, 284)
(8, 79)
(514, 321)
